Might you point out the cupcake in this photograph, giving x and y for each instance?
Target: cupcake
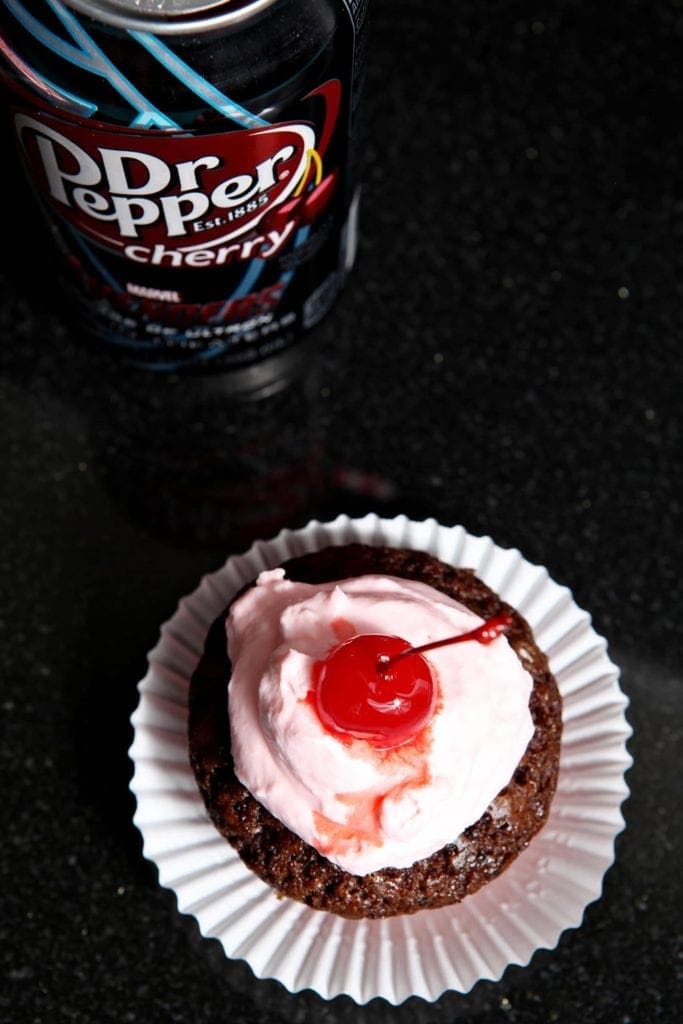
(362, 790)
(543, 890)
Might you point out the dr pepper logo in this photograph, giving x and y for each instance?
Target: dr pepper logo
(187, 200)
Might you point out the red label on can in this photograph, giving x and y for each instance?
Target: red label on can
(206, 199)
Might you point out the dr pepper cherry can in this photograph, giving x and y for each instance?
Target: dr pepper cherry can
(196, 163)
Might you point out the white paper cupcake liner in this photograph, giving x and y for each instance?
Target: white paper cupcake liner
(545, 890)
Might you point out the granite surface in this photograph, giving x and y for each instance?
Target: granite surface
(506, 356)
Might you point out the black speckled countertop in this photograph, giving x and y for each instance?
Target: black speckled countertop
(506, 356)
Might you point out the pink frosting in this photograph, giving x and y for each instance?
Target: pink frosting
(362, 808)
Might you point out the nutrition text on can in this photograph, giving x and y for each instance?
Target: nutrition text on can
(196, 162)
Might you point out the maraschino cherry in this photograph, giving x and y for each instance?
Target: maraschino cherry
(380, 689)
(360, 693)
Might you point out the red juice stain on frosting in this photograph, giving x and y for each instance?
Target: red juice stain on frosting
(363, 825)
(343, 629)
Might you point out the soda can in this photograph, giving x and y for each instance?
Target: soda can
(197, 164)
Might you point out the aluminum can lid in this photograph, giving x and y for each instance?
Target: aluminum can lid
(164, 15)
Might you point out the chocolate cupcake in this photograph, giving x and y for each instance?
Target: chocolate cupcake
(544, 891)
(321, 869)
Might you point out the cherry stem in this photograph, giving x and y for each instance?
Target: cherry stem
(484, 634)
